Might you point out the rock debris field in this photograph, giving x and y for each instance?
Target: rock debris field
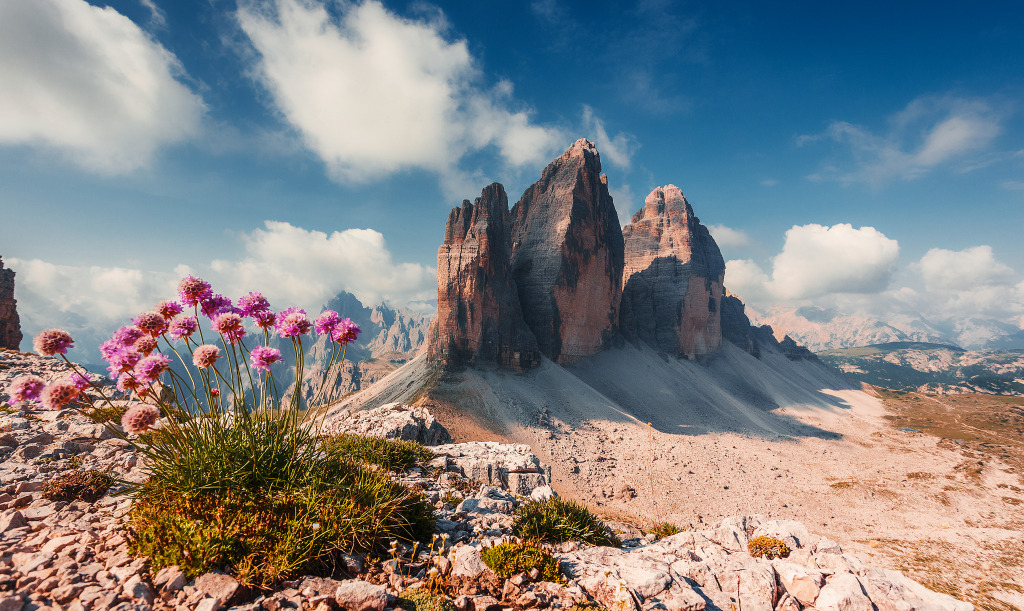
(60, 555)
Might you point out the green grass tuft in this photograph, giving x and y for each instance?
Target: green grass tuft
(555, 520)
(388, 453)
(665, 529)
(509, 559)
(419, 599)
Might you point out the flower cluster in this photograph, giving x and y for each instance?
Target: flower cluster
(135, 360)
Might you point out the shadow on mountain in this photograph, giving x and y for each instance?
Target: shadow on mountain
(730, 391)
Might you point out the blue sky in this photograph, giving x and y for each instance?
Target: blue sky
(864, 156)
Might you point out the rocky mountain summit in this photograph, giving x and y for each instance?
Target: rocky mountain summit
(556, 276)
(10, 323)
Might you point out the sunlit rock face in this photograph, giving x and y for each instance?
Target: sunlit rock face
(567, 257)
(672, 278)
(10, 323)
(478, 315)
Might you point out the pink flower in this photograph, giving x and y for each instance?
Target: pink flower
(139, 418)
(57, 394)
(292, 322)
(181, 328)
(205, 356)
(126, 382)
(80, 381)
(149, 369)
(215, 392)
(145, 345)
(52, 341)
(229, 324)
(326, 322)
(25, 388)
(126, 336)
(123, 359)
(192, 290)
(253, 303)
(265, 319)
(346, 331)
(151, 323)
(168, 309)
(214, 305)
(263, 357)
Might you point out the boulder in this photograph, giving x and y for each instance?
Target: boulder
(512, 467)
(567, 257)
(479, 319)
(392, 421)
(672, 278)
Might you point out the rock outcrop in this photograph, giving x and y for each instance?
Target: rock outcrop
(479, 319)
(567, 257)
(10, 323)
(393, 421)
(672, 279)
(736, 327)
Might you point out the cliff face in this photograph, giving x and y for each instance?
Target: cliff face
(10, 323)
(479, 318)
(567, 257)
(672, 279)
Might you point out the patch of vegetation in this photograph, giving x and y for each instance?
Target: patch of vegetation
(419, 599)
(509, 559)
(101, 414)
(264, 535)
(665, 529)
(78, 485)
(555, 520)
(387, 453)
(259, 499)
(767, 547)
(451, 499)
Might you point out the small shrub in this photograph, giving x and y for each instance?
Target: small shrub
(509, 559)
(78, 485)
(555, 520)
(387, 453)
(419, 599)
(665, 529)
(767, 547)
(262, 536)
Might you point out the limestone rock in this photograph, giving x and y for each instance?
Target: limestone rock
(672, 278)
(357, 595)
(567, 257)
(479, 319)
(736, 327)
(10, 323)
(511, 467)
(392, 421)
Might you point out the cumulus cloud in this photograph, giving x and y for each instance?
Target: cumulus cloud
(727, 237)
(931, 132)
(289, 264)
(372, 93)
(89, 83)
(963, 269)
(618, 150)
(818, 260)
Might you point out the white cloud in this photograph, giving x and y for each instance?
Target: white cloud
(962, 270)
(619, 150)
(1014, 185)
(727, 237)
(372, 93)
(625, 202)
(87, 82)
(157, 16)
(290, 265)
(931, 132)
(818, 260)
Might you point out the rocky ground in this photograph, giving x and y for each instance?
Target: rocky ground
(60, 555)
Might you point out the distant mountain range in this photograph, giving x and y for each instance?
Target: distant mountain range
(822, 329)
(930, 367)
